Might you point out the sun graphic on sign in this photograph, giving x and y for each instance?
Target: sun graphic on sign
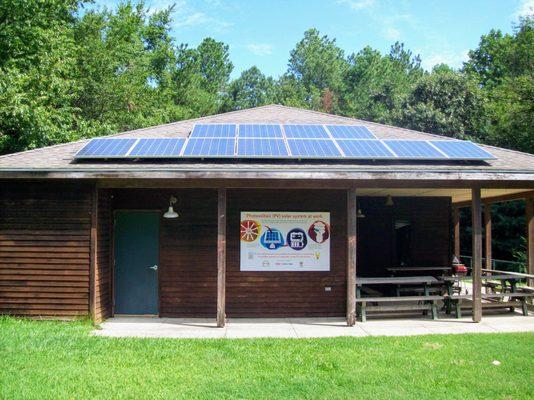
(250, 230)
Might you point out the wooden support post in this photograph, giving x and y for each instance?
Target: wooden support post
(351, 258)
(221, 258)
(529, 206)
(476, 270)
(93, 256)
(456, 222)
(487, 230)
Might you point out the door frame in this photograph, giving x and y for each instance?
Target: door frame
(112, 253)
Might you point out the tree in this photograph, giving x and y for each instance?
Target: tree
(37, 75)
(504, 66)
(318, 64)
(375, 86)
(489, 62)
(125, 59)
(251, 89)
(201, 77)
(448, 103)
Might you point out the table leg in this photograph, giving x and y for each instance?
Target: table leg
(434, 309)
(425, 288)
(358, 296)
(449, 293)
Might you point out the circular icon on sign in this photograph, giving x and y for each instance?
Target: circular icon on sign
(296, 239)
(319, 231)
(250, 230)
(272, 239)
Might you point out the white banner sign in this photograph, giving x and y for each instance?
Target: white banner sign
(285, 241)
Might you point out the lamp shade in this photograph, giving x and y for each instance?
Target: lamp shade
(389, 201)
(170, 213)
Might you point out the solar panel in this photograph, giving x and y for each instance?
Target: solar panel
(350, 132)
(414, 149)
(157, 148)
(214, 131)
(260, 131)
(369, 149)
(305, 132)
(261, 148)
(462, 150)
(209, 147)
(313, 148)
(106, 148)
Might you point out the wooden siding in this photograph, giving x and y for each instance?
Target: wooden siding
(103, 272)
(44, 249)
(284, 294)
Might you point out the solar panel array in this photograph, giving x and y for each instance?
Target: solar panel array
(283, 141)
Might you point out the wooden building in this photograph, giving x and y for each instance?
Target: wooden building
(71, 230)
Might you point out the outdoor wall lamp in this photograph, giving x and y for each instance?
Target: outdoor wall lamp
(170, 212)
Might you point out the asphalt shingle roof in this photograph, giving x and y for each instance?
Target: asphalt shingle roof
(59, 158)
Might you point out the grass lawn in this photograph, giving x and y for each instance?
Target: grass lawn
(60, 360)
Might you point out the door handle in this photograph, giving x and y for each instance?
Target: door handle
(154, 267)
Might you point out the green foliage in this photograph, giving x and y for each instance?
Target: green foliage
(251, 89)
(503, 65)
(318, 64)
(375, 86)
(446, 103)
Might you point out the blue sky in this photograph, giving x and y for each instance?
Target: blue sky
(262, 33)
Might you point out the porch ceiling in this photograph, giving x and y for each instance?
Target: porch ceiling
(458, 195)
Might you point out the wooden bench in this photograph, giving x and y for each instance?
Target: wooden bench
(520, 299)
(429, 304)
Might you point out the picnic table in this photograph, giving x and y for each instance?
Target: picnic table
(505, 279)
(398, 281)
(429, 302)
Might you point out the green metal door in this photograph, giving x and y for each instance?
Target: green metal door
(136, 262)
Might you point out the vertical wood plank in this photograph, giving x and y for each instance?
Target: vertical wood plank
(93, 256)
(529, 207)
(351, 257)
(456, 223)
(221, 258)
(487, 231)
(476, 253)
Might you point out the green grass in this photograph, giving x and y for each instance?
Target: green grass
(61, 360)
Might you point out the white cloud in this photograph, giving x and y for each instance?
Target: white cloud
(260, 49)
(452, 59)
(391, 33)
(526, 7)
(187, 16)
(196, 18)
(357, 4)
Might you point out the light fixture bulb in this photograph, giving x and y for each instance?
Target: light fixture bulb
(170, 212)
(360, 214)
